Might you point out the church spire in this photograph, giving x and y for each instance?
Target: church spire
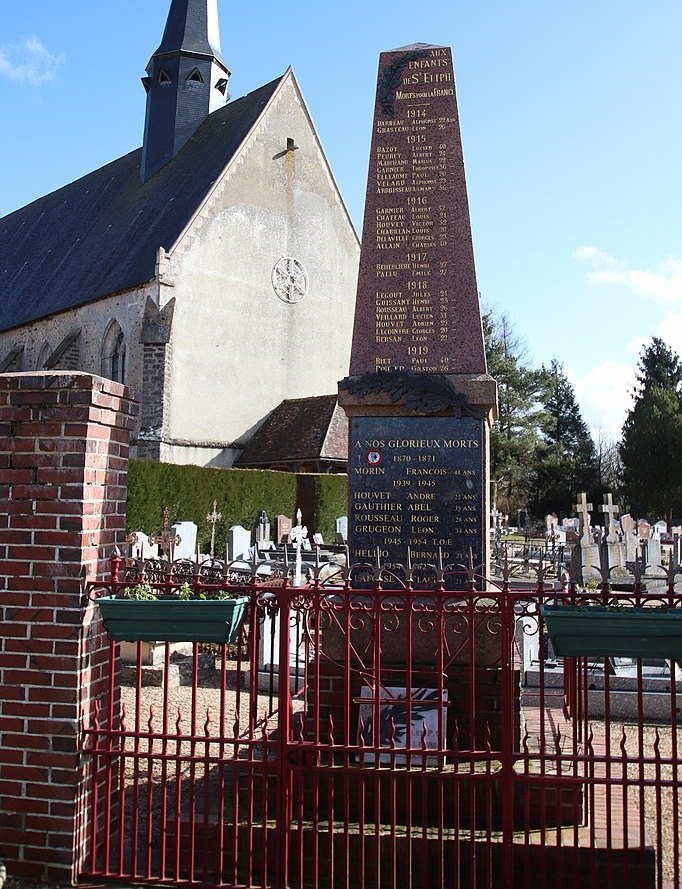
(186, 80)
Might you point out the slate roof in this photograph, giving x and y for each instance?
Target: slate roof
(299, 430)
(187, 30)
(100, 234)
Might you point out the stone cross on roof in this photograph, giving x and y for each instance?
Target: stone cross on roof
(610, 510)
(213, 517)
(165, 540)
(583, 509)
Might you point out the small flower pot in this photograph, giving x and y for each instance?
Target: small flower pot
(168, 619)
(600, 631)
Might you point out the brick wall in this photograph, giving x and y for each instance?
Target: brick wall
(63, 470)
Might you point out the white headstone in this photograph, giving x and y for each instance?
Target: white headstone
(631, 539)
(318, 540)
(341, 528)
(238, 542)
(141, 547)
(187, 532)
(653, 552)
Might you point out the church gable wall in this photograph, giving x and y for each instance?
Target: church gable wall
(239, 348)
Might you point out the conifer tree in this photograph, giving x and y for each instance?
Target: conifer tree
(652, 432)
(565, 458)
(515, 434)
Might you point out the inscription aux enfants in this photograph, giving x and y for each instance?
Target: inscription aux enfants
(412, 156)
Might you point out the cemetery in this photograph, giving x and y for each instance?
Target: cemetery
(393, 701)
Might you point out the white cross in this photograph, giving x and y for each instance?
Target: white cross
(583, 509)
(298, 534)
(610, 509)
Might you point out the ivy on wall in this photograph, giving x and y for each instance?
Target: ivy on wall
(240, 494)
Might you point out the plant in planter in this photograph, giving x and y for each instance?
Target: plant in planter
(142, 613)
(614, 630)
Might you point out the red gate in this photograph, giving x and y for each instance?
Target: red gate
(399, 735)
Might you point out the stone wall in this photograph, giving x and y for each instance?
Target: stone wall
(64, 441)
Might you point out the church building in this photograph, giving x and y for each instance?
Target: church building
(213, 270)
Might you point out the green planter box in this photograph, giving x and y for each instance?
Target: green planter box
(172, 620)
(597, 631)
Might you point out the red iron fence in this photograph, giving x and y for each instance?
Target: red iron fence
(393, 735)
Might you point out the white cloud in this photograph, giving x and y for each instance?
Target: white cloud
(662, 285)
(30, 62)
(594, 256)
(604, 395)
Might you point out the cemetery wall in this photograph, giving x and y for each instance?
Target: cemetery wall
(64, 441)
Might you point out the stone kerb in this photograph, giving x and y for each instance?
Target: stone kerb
(64, 440)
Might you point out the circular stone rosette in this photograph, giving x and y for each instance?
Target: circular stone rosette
(290, 280)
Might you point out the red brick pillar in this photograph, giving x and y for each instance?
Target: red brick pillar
(63, 473)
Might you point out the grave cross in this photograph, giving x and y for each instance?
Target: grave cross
(213, 517)
(583, 509)
(298, 534)
(610, 510)
(165, 540)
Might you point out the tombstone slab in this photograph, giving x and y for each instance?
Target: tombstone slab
(341, 529)
(187, 547)
(282, 529)
(238, 542)
(141, 547)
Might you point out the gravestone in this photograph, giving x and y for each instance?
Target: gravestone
(141, 547)
(238, 542)
(676, 555)
(419, 400)
(187, 533)
(589, 560)
(628, 527)
(341, 529)
(654, 560)
(282, 529)
(615, 551)
(262, 528)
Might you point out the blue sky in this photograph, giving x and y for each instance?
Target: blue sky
(571, 123)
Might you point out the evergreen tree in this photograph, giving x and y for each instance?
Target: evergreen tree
(515, 434)
(650, 446)
(565, 458)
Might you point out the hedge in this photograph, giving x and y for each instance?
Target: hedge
(189, 492)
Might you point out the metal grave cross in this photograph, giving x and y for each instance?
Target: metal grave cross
(583, 509)
(610, 510)
(213, 517)
(165, 540)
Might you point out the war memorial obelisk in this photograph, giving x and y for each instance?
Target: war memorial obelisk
(419, 399)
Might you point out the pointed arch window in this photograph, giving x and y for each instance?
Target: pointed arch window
(195, 76)
(164, 77)
(113, 364)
